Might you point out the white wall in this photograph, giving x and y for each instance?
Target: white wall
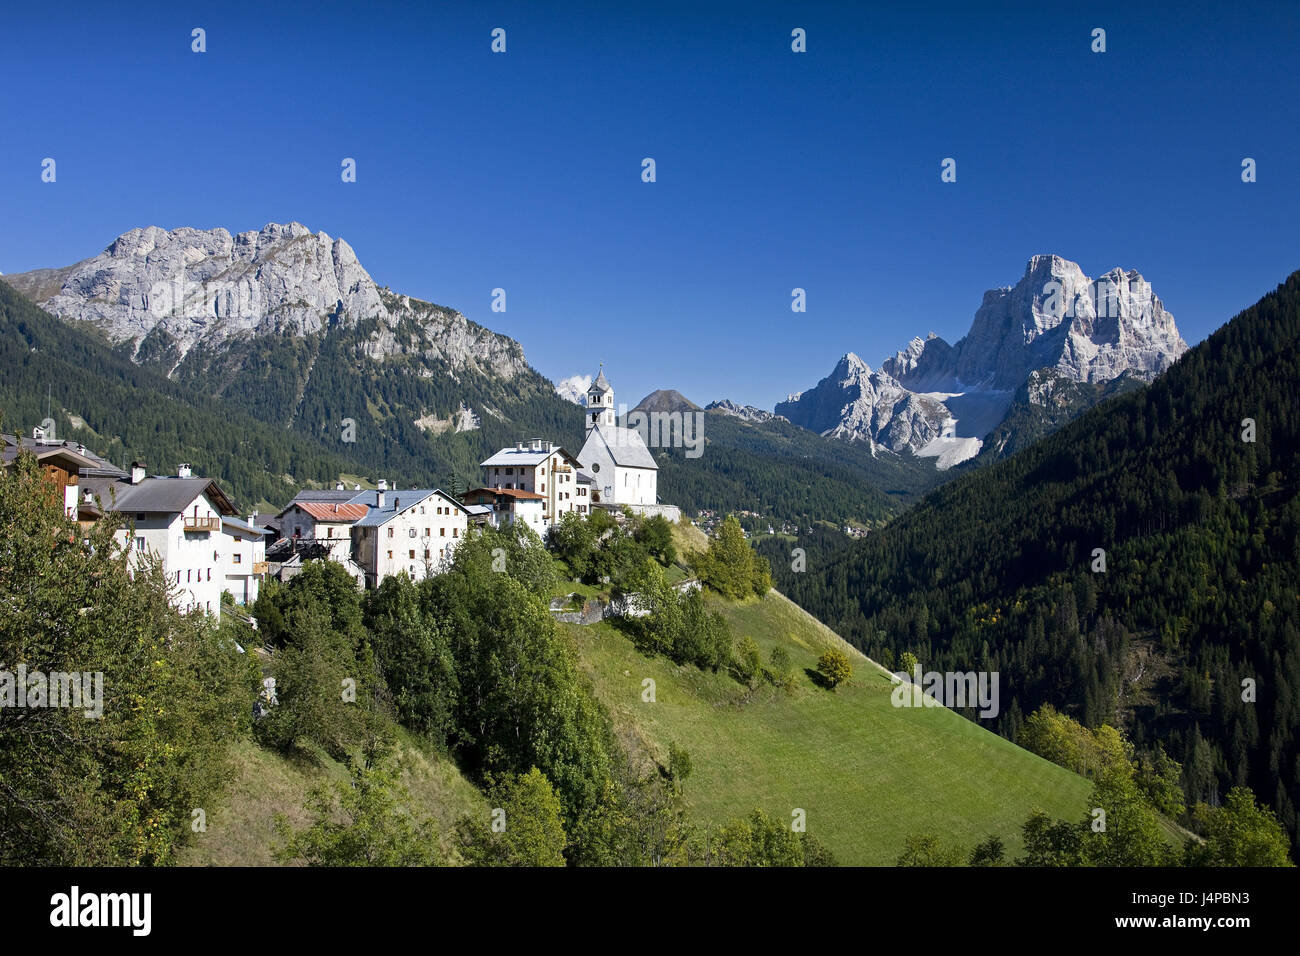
(241, 551)
(192, 560)
(438, 534)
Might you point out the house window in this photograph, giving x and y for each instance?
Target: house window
(543, 471)
(412, 554)
(428, 532)
(236, 558)
(187, 575)
(427, 552)
(496, 471)
(329, 532)
(442, 532)
(411, 533)
(215, 557)
(543, 487)
(390, 532)
(390, 555)
(455, 532)
(421, 509)
(209, 578)
(139, 542)
(511, 471)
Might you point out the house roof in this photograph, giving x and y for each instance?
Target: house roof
(625, 446)
(377, 517)
(244, 526)
(76, 457)
(330, 495)
(518, 493)
(527, 456)
(159, 495)
(585, 479)
(338, 511)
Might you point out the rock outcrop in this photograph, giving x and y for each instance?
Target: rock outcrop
(938, 400)
(191, 287)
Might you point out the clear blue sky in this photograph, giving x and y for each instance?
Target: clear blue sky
(775, 169)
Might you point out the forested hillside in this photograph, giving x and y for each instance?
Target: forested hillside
(790, 473)
(132, 412)
(1188, 638)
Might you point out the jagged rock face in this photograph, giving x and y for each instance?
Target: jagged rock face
(745, 412)
(1056, 317)
(940, 400)
(858, 404)
(191, 287)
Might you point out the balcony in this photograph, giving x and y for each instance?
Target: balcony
(259, 567)
(202, 524)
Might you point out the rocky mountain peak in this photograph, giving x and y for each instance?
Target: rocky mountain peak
(932, 398)
(180, 288)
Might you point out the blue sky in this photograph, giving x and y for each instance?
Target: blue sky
(775, 169)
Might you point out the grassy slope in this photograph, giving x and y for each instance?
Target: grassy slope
(241, 832)
(867, 773)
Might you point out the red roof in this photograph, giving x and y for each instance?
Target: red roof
(323, 511)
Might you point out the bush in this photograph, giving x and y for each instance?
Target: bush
(834, 667)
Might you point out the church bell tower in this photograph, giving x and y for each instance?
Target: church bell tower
(600, 403)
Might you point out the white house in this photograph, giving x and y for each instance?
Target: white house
(406, 531)
(542, 468)
(328, 523)
(623, 472)
(178, 518)
(244, 553)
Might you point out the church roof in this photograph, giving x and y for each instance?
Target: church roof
(625, 446)
(601, 385)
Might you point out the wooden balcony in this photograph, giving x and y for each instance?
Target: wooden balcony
(202, 524)
(259, 567)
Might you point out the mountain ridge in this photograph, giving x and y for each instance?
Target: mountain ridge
(937, 400)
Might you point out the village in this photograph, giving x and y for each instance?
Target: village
(207, 548)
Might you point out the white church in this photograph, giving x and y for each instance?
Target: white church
(623, 472)
(614, 464)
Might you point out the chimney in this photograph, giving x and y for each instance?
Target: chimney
(338, 486)
(519, 446)
(137, 472)
(379, 495)
(183, 470)
(397, 504)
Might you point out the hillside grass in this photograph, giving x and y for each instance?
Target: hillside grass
(241, 830)
(868, 774)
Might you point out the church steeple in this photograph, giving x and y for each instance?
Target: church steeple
(600, 402)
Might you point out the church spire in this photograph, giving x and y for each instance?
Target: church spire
(600, 402)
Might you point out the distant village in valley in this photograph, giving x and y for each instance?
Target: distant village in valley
(206, 547)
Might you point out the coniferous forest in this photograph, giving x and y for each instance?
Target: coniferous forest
(1136, 568)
